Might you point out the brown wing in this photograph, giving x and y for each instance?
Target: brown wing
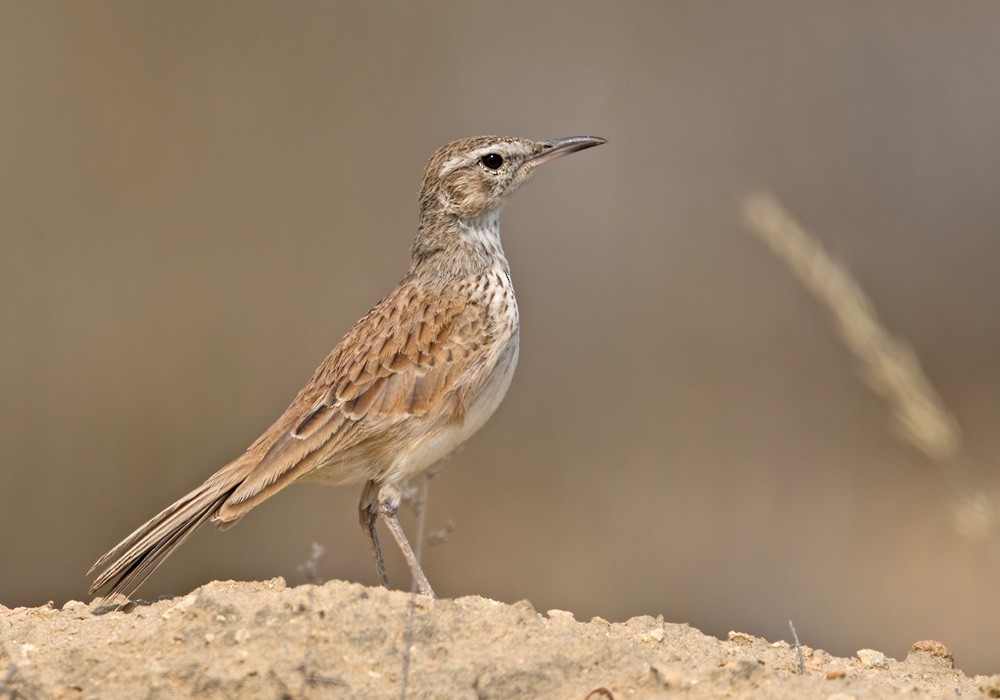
(410, 355)
(407, 357)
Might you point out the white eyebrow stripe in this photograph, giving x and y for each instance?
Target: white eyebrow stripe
(505, 149)
(453, 164)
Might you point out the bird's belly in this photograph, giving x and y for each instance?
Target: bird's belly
(439, 443)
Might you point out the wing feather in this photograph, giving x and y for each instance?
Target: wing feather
(399, 362)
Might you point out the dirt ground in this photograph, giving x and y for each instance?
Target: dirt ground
(231, 639)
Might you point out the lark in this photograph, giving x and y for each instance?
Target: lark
(413, 379)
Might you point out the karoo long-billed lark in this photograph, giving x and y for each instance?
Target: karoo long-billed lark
(413, 379)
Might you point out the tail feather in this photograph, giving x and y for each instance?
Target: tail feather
(131, 562)
(123, 569)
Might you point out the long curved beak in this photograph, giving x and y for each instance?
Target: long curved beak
(555, 148)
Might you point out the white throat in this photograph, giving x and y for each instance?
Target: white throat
(483, 234)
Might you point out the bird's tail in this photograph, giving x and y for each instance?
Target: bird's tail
(130, 562)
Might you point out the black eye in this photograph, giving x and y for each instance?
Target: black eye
(492, 160)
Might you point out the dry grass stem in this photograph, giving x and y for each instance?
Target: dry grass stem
(889, 365)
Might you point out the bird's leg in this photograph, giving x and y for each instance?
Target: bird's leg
(383, 502)
(387, 511)
(368, 514)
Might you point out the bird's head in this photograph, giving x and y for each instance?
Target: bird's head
(472, 178)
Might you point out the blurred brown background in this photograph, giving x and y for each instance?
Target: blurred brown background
(198, 199)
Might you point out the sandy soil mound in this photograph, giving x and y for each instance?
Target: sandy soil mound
(249, 640)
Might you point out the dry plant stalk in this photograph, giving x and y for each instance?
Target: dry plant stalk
(889, 365)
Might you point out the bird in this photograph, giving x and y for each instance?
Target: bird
(414, 378)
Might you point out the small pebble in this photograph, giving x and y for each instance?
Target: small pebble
(654, 635)
(872, 658)
(741, 638)
(76, 609)
(929, 652)
(562, 615)
(524, 604)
